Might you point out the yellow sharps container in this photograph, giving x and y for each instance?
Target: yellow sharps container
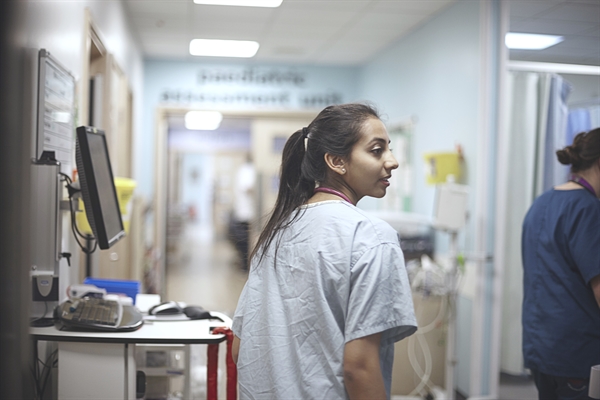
(439, 166)
(125, 188)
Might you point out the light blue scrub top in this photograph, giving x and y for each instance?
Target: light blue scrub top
(339, 276)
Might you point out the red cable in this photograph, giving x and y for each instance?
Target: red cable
(211, 371)
(231, 367)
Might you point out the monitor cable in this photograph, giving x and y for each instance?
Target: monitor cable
(42, 376)
(42, 321)
(76, 232)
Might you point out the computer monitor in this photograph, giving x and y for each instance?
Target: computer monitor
(97, 186)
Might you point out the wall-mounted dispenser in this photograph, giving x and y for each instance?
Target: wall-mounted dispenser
(46, 228)
(442, 167)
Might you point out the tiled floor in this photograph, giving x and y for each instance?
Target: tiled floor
(206, 274)
(517, 387)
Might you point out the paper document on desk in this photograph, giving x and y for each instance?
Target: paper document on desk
(166, 317)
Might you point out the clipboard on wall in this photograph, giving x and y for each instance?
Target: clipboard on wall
(56, 111)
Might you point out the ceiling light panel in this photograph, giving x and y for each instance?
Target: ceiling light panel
(223, 48)
(529, 41)
(203, 120)
(241, 3)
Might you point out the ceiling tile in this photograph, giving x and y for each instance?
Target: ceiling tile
(335, 31)
(531, 8)
(284, 51)
(550, 26)
(174, 38)
(283, 32)
(166, 49)
(311, 18)
(256, 15)
(593, 2)
(584, 42)
(575, 12)
(154, 25)
(409, 7)
(386, 22)
(226, 31)
(298, 40)
(158, 7)
(594, 32)
(327, 6)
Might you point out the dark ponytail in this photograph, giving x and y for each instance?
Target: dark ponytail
(335, 131)
(584, 151)
(294, 190)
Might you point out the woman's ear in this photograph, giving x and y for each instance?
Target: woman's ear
(335, 163)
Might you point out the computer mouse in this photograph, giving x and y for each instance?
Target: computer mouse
(166, 308)
(197, 312)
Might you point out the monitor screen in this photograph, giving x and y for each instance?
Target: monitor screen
(97, 186)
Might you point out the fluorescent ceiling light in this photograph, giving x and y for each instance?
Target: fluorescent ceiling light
(203, 120)
(223, 48)
(241, 3)
(530, 41)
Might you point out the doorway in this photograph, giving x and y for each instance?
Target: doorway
(195, 173)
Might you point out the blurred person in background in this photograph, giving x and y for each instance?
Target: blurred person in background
(561, 261)
(244, 210)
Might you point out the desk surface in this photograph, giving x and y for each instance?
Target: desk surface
(152, 332)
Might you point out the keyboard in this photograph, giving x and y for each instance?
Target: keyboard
(97, 314)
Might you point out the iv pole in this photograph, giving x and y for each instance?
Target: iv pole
(451, 331)
(451, 216)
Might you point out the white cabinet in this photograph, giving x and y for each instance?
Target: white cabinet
(85, 369)
(167, 370)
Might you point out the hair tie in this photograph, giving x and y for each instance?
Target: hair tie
(305, 138)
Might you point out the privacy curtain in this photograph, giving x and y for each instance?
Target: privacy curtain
(536, 129)
(583, 117)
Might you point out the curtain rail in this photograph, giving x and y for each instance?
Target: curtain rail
(554, 67)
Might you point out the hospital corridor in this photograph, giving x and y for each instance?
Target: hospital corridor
(390, 154)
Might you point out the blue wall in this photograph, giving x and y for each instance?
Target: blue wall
(434, 74)
(234, 86)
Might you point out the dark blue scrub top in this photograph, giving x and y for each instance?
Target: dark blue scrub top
(561, 254)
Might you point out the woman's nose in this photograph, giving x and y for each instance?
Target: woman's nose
(391, 163)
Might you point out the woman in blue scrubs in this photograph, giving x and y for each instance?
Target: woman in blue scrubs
(561, 261)
(327, 294)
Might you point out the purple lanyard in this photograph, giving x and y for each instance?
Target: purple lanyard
(584, 183)
(333, 191)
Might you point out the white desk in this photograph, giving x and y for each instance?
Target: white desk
(93, 364)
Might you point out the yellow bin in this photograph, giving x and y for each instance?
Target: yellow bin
(125, 188)
(439, 166)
